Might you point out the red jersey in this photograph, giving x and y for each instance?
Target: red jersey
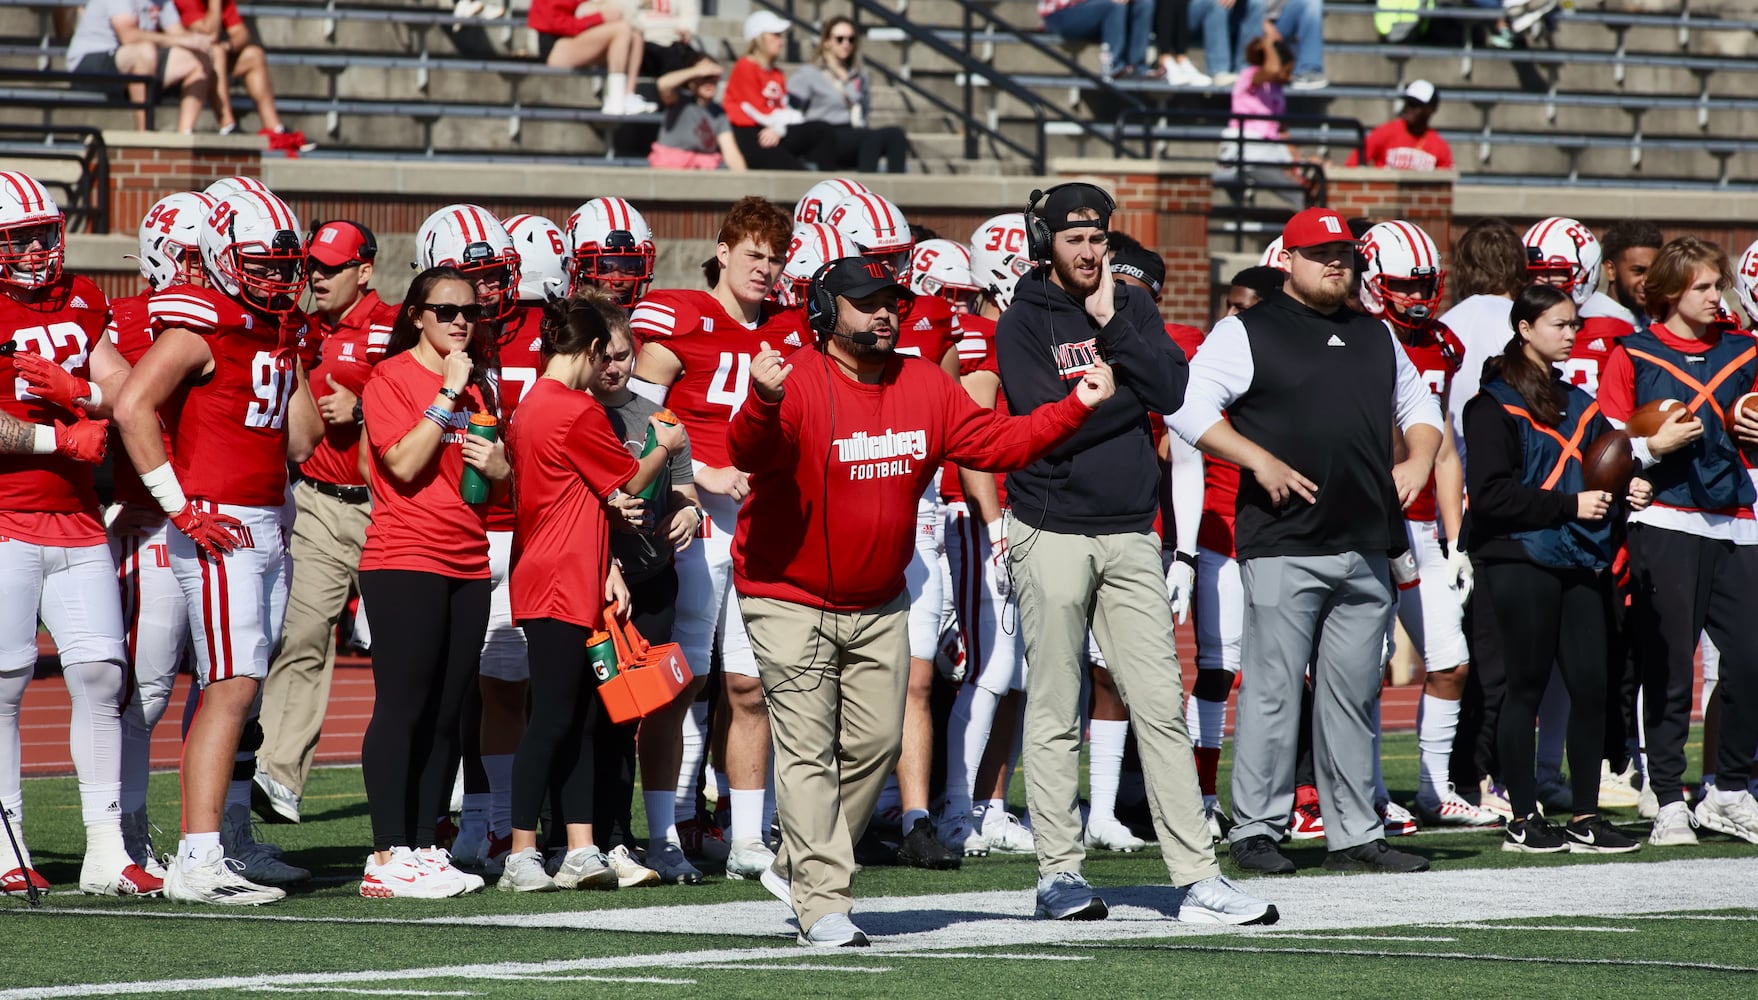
(1392, 145)
(49, 499)
(521, 362)
(566, 461)
(976, 341)
(930, 330)
(1593, 345)
(764, 90)
(229, 433)
(716, 351)
(831, 521)
(1438, 355)
(976, 352)
(556, 17)
(347, 351)
(425, 525)
(131, 330)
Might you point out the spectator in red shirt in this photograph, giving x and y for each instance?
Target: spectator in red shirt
(1406, 142)
(771, 134)
(237, 56)
(839, 440)
(573, 35)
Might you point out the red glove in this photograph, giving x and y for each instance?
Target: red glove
(51, 382)
(83, 440)
(213, 533)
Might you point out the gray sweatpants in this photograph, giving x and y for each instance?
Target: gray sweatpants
(1330, 612)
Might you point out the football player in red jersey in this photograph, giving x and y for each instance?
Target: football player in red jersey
(612, 248)
(696, 359)
(62, 373)
(224, 376)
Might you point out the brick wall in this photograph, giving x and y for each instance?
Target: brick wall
(146, 166)
(1167, 209)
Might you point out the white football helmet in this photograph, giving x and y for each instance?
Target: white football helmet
(613, 247)
(943, 268)
(32, 232)
(545, 260)
(1272, 255)
(472, 240)
(826, 195)
(170, 239)
(226, 187)
(998, 256)
(254, 251)
(1746, 284)
(878, 227)
(1403, 279)
(814, 244)
(1564, 253)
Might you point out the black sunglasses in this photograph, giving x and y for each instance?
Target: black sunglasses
(842, 38)
(446, 312)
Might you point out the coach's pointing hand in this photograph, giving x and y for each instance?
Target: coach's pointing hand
(1097, 385)
(768, 373)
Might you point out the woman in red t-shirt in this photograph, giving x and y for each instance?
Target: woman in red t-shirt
(570, 464)
(423, 574)
(770, 134)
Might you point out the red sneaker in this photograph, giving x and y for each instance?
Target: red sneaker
(1307, 823)
(19, 880)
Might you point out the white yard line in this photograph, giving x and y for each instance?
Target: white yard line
(1467, 956)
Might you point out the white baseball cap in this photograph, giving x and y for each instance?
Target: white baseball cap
(765, 22)
(1420, 91)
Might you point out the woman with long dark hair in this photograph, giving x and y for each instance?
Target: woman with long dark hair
(424, 573)
(570, 465)
(1545, 541)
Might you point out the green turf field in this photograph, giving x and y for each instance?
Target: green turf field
(1682, 922)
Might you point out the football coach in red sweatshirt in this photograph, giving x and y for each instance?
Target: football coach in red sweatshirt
(839, 439)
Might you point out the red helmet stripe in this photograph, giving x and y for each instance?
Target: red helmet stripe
(1417, 251)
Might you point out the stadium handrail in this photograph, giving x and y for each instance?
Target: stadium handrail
(87, 199)
(84, 90)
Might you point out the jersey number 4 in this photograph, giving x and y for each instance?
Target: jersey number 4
(732, 380)
(273, 386)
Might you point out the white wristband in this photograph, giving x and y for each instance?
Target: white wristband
(43, 440)
(96, 399)
(997, 529)
(162, 484)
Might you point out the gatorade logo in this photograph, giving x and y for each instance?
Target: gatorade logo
(677, 672)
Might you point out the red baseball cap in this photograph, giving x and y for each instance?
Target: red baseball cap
(1313, 227)
(337, 244)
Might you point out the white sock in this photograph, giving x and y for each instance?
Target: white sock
(94, 734)
(747, 814)
(1437, 720)
(910, 816)
(662, 825)
(1206, 720)
(499, 768)
(14, 809)
(695, 732)
(996, 806)
(194, 848)
(1553, 726)
(104, 837)
(1105, 747)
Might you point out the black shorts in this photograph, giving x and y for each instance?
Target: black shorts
(104, 64)
(545, 43)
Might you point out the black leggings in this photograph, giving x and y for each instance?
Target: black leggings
(806, 143)
(655, 601)
(863, 148)
(427, 634)
(1550, 617)
(1172, 26)
(558, 739)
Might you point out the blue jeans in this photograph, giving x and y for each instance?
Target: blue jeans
(1226, 31)
(1123, 28)
(1302, 22)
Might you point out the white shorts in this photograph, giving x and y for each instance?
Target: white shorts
(1430, 611)
(1220, 611)
(706, 604)
(503, 648)
(154, 615)
(236, 602)
(72, 590)
(925, 580)
(990, 630)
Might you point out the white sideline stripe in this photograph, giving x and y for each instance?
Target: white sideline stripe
(1538, 927)
(1473, 956)
(903, 925)
(585, 978)
(1689, 916)
(794, 967)
(966, 956)
(364, 993)
(1359, 937)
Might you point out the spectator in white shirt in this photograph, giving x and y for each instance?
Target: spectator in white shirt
(145, 38)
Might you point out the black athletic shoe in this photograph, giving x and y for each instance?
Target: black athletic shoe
(1259, 856)
(1593, 835)
(873, 851)
(1533, 835)
(922, 849)
(1374, 856)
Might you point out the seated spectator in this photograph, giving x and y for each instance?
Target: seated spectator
(1262, 142)
(1121, 27)
(695, 134)
(1302, 22)
(573, 35)
(1406, 142)
(668, 32)
(237, 56)
(1172, 39)
(1227, 27)
(834, 89)
(145, 38)
(771, 134)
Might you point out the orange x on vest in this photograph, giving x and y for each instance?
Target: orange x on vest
(1705, 391)
(1571, 444)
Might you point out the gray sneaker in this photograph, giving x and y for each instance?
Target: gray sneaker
(1216, 900)
(673, 867)
(1674, 826)
(273, 801)
(586, 868)
(834, 930)
(780, 888)
(261, 862)
(524, 873)
(1067, 896)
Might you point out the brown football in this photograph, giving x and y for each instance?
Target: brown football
(1748, 402)
(1649, 416)
(1609, 464)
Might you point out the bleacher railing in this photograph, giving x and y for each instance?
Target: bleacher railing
(85, 200)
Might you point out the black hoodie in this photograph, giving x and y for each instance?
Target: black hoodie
(1105, 480)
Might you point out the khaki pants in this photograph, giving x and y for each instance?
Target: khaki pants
(835, 683)
(327, 537)
(1114, 584)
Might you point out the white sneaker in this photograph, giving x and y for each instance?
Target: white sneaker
(1734, 814)
(1212, 818)
(405, 876)
(780, 888)
(1490, 796)
(1006, 834)
(834, 930)
(1449, 808)
(1618, 790)
(960, 833)
(672, 866)
(1647, 806)
(748, 859)
(635, 104)
(524, 872)
(272, 800)
(440, 860)
(1672, 827)
(1110, 835)
(116, 874)
(1216, 900)
(630, 873)
(216, 880)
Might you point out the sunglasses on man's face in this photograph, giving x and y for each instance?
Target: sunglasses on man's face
(447, 312)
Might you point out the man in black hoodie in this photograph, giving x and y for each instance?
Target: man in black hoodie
(1082, 553)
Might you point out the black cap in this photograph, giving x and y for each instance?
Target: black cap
(1066, 199)
(1140, 263)
(859, 277)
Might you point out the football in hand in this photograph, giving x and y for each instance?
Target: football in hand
(1609, 464)
(1649, 416)
(1748, 403)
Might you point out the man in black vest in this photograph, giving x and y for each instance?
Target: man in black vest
(1305, 382)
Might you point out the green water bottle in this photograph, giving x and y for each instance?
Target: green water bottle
(473, 486)
(669, 419)
(601, 652)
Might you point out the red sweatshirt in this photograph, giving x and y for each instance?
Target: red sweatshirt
(556, 17)
(837, 465)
